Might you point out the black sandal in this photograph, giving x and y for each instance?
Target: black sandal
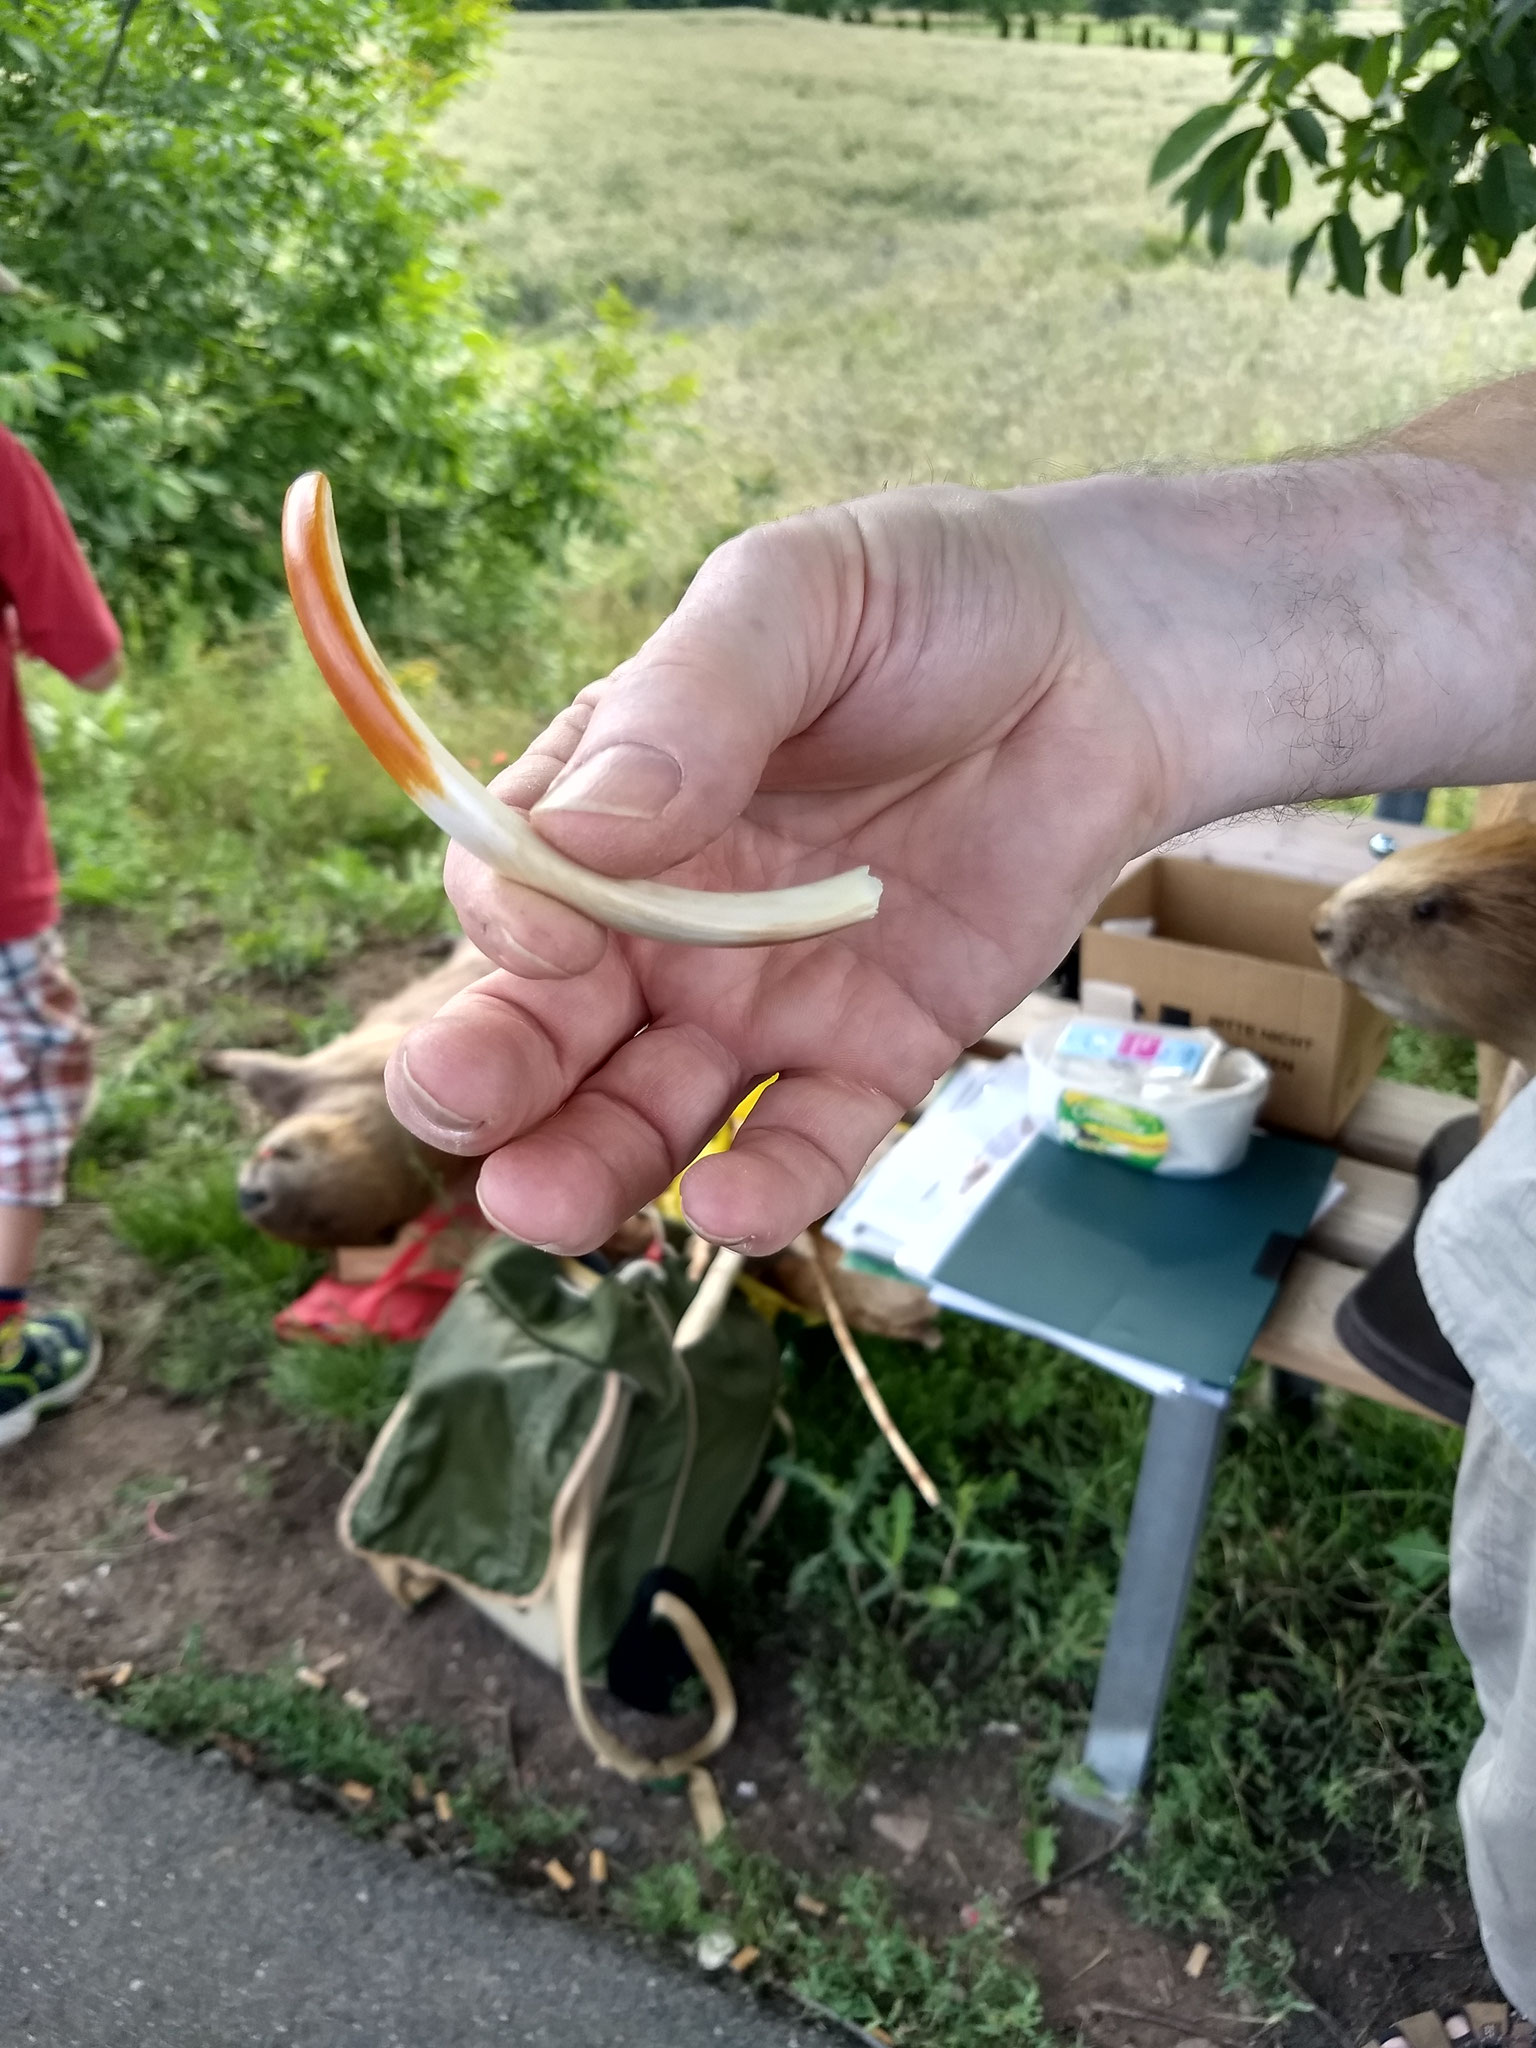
(1387, 1324)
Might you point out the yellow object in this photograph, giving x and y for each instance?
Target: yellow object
(766, 1300)
(704, 1799)
(671, 1204)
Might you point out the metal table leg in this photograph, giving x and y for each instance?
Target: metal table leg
(1167, 1520)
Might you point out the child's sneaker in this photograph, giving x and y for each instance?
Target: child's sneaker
(51, 1363)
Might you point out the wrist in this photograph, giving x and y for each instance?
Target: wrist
(1316, 629)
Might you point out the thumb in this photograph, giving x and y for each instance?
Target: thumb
(678, 736)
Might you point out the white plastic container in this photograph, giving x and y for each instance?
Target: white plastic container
(1176, 1102)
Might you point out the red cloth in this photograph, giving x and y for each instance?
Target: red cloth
(406, 1299)
(50, 608)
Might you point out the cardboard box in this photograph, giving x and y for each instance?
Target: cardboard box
(1233, 949)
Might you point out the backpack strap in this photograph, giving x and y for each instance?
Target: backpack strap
(696, 1321)
(569, 1574)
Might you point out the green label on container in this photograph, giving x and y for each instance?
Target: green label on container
(1097, 1123)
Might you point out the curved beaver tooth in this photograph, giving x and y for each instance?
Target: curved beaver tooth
(402, 744)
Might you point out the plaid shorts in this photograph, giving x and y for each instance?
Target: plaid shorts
(45, 1070)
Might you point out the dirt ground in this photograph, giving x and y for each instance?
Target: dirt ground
(245, 1551)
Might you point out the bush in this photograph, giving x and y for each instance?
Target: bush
(274, 823)
(239, 260)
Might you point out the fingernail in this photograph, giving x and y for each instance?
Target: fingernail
(446, 1120)
(626, 780)
(725, 1244)
(516, 957)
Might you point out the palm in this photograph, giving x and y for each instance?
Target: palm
(990, 784)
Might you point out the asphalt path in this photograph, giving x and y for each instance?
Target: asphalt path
(149, 1897)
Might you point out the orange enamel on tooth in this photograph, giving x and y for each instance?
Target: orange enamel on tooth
(358, 680)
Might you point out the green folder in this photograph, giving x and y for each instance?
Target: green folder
(1159, 1279)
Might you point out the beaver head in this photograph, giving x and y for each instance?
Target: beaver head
(335, 1169)
(1444, 936)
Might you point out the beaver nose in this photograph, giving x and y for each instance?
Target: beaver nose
(1322, 931)
(252, 1198)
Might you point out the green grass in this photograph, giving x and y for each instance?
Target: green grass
(342, 1393)
(1430, 1061)
(298, 1732)
(860, 1963)
(1320, 1706)
(222, 790)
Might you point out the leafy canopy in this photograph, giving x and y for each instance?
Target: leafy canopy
(239, 259)
(1439, 115)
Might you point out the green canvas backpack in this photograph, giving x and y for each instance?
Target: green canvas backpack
(568, 1455)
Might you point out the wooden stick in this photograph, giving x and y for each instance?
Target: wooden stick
(863, 1380)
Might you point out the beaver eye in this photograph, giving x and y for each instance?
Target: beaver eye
(1427, 908)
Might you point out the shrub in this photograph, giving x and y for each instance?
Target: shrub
(239, 260)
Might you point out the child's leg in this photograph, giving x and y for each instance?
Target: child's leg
(20, 1229)
(46, 1358)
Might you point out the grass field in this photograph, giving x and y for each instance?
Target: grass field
(889, 257)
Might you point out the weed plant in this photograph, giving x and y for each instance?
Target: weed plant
(858, 1962)
(298, 1732)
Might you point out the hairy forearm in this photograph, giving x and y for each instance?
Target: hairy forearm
(1324, 627)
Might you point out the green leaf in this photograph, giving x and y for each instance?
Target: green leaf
(1422, 34)
(1300, 257)
(1348, 253)
(942, 1599)
(1377, 67)
(1274, 182)
(1308, 133)
(1189, 136)
(1216, 188)
(902, 1505)
(1506, 192)
(1420, 1556)
(1528, 296)
(1498, 216)
(1040, 1844)
(1396, 249)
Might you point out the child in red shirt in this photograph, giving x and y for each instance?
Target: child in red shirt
(49, 607)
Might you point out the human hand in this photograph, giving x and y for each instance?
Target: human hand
(907, 682)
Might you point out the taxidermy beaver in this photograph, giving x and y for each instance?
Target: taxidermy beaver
(336, 1168)
(1444, 936)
